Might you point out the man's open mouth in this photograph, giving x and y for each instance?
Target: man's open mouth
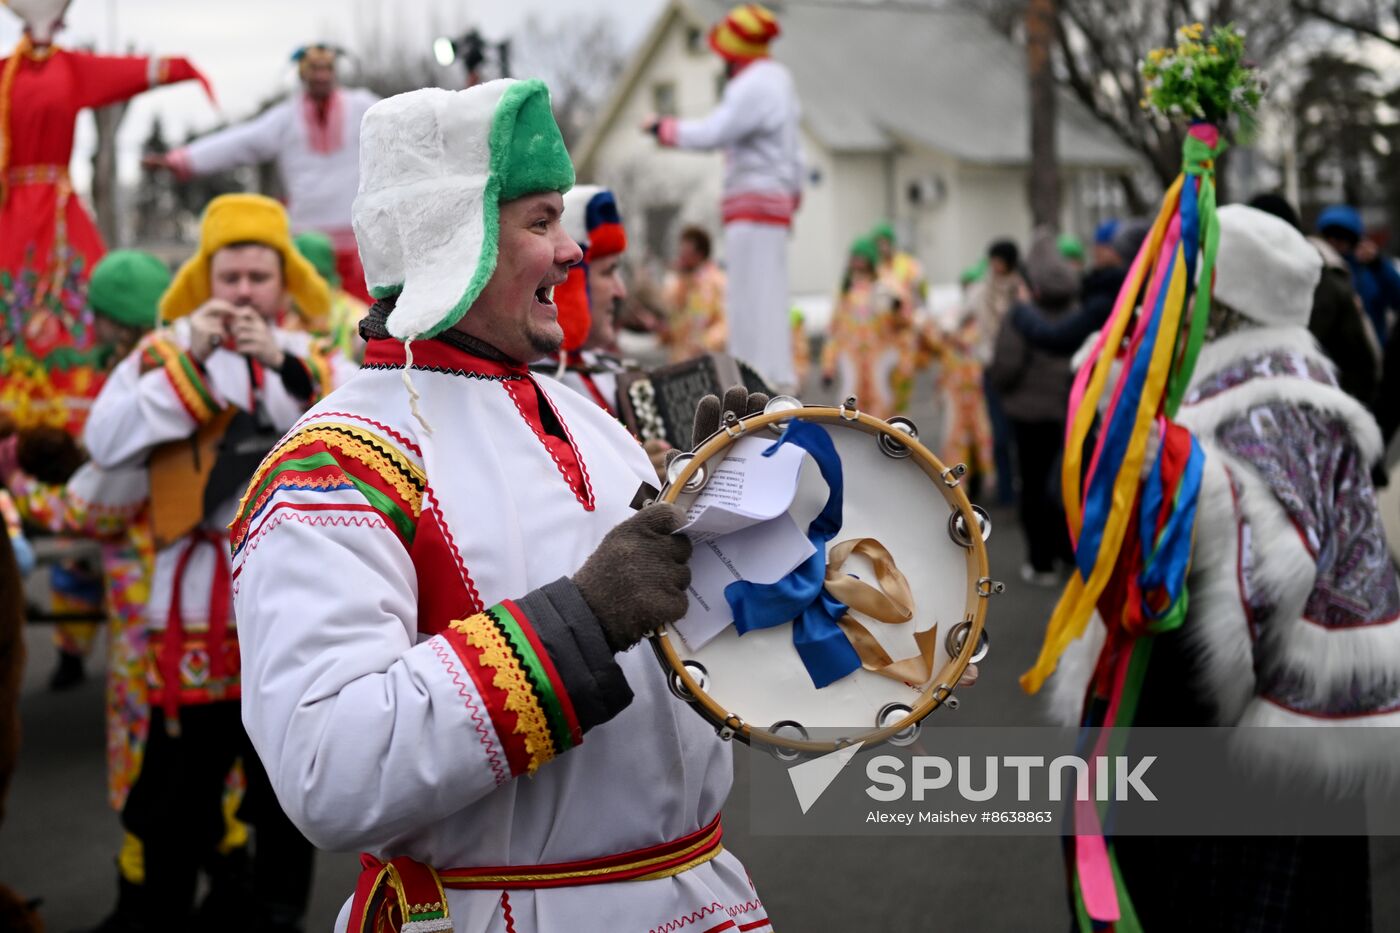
(545, 295)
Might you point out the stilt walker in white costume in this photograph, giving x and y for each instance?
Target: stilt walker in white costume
(315, 137)
(756, 124)
(442, 576)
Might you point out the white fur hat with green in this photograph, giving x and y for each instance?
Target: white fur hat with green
(435, 166)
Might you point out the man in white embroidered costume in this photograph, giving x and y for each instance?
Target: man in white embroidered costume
(223, 361)
(489, 576)
(1294, 600)
(756, 124)
(315, 137)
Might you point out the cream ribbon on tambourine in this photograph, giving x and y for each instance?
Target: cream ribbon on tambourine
(892, 603)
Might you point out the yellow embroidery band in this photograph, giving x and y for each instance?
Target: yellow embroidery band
(482, 632)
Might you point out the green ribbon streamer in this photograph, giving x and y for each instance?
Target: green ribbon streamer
(1198, 159)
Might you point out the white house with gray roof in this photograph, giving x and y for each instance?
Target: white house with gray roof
(910, 112)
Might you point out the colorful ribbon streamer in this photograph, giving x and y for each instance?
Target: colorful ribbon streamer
(1132, 527)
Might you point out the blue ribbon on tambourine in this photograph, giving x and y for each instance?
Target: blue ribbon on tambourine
(801, 597)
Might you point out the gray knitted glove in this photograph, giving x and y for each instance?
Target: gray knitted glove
(636, 580)
(710, 412)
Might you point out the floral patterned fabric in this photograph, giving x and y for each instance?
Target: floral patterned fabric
(127, 555)
(1311, 464)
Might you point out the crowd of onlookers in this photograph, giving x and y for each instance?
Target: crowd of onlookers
(1004, 356)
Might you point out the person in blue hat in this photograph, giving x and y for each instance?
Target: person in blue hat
(1373, 275)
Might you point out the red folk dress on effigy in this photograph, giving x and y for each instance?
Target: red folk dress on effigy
(48, 242)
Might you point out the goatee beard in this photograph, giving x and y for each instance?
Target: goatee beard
(543, 344)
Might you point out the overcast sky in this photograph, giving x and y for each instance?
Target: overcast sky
(244, 47)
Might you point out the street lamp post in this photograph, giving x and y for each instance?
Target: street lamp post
(472, 51)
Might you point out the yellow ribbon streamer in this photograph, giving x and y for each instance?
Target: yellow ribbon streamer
(1076, 604)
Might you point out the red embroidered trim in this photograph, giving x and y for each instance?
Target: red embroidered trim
(434, 354)
(320, 415)
(493, 752)
(556, 683)
(325, 136)
(502, 719)
(759, 207)
(250, 544)
(695, 916)
(588, 503)
(505, 909)
(715, 907)
(431, 503)
(575, 473)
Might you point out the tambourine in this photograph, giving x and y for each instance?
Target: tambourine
(754, 687)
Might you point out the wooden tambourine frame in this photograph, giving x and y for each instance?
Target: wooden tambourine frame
(980, 586)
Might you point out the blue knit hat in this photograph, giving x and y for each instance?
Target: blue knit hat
(1343, 216)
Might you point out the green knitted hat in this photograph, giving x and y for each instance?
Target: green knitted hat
(865, 248)
(126, 286)
(1070, 247)
(319, 251)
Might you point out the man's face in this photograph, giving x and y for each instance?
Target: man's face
(1106, 257)
(319, 77)
(606, 293)
(249, 276)
(1343, 244)
(119, 337)
(514, 312)
(998, 267)
(886, 248)
(688, 257)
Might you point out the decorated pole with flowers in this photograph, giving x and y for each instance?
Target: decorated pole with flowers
(1130, 493)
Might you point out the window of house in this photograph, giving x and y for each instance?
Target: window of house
(661, 221)
(663, 98)
(695, 41)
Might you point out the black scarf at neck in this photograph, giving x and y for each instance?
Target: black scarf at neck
(374, 326)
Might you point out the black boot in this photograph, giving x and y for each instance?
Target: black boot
(69, 672)
(229, 907)
(129, 914)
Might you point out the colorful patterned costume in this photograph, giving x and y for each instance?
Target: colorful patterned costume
(111, 507)
(967, 433)
(866, 347)
(695, 304)
(48, 373)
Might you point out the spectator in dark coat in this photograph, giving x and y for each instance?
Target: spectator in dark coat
(1099, 291)
(1034, 385)
(1338, 322)
(1372, 275)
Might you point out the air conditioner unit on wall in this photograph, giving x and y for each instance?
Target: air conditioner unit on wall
(926, 191)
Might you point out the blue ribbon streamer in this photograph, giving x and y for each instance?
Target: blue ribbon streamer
(801, 596)
(1167, 560)
(1098, 502)
(1120, 429)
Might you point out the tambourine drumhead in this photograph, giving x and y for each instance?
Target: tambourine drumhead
(754, 682)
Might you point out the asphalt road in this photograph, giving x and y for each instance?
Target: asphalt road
(59, 838)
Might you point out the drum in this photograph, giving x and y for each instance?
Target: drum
(755, 687)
